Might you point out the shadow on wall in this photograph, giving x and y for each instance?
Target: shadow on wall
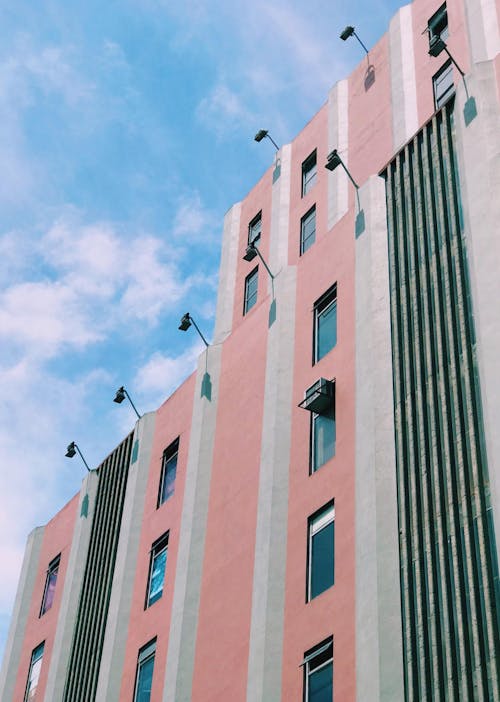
(369, 77)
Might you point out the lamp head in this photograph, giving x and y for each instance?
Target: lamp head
(70, 451)
(185, 322)
(120, 395)
(333, 160)
(348, 32)
(261, 134)
(436, 46)
(250, 253)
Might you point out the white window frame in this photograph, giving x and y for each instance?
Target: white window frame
(145, 654)
(159, 547)
(309, 172)
(309, 658)
(316, 523)
(250, 276)
(30, 692)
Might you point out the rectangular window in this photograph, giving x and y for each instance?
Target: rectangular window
(255, 229)
(34, 673)
(438, 24)
(318, 672)
(50, 585)
(251, 282)
(309, 173)
(443, 85)
(144, 674)
(325, 323)
(168, 472)
(308, 230)
(157, 567)
(322, 438)
(321, 551)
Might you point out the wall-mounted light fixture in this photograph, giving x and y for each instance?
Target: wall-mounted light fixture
(71, 451)
(436, 47)
(250, 253)
(370, 71)
(262, 134)
(186, 322)
(121, 394)
(206, 382)
(350, 32)
(333, 160)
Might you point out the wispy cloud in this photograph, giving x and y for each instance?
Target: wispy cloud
(223, 111)
(163, 373)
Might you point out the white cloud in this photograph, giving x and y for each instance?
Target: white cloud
(95, 280)
(38, 411)
(195, 222)
(46, 314)
(162, 374)
(223, 111)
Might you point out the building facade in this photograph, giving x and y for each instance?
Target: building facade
(314, 514)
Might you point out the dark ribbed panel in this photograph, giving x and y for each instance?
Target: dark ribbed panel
(449, 573)
(88, 638)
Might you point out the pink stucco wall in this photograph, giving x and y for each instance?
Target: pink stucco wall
(56, 539)
(173, 420)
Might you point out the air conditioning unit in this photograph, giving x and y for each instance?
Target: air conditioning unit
(320, 396)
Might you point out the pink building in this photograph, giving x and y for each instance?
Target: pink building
(314, 514)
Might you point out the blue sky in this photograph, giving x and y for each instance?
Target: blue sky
(126, 132)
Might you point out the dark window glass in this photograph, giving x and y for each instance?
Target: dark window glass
(255, 230)
(321, 551)
(50, 585)
(438, 24)
(157, 568)
(144, 677)
(325, 323)
(251, 283)
(308, 230)
(322, 438)
(168, 472)
(318, 671)
(443, 85)
(34, 673)
(309, 173)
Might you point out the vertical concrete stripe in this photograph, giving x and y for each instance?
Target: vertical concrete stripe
(379, 661)
(187, 587)
(268, 593)
(280, 211)
(338, 138)
(113, 653)
(71, 593)
(403, 82)
(20, 613)
(227, 274)
(482, 26)
(478, 150)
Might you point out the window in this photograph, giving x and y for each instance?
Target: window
(325, 323)
(168, 472)
(438, 24)
(34, 673)
(318, 673)
(157, 567)
(308, 230)
(251, 290)
(144, 675)
(50, 585)
(309, 172)
(443, 85)
(322, 438)
(255, 229)
(320, 560)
